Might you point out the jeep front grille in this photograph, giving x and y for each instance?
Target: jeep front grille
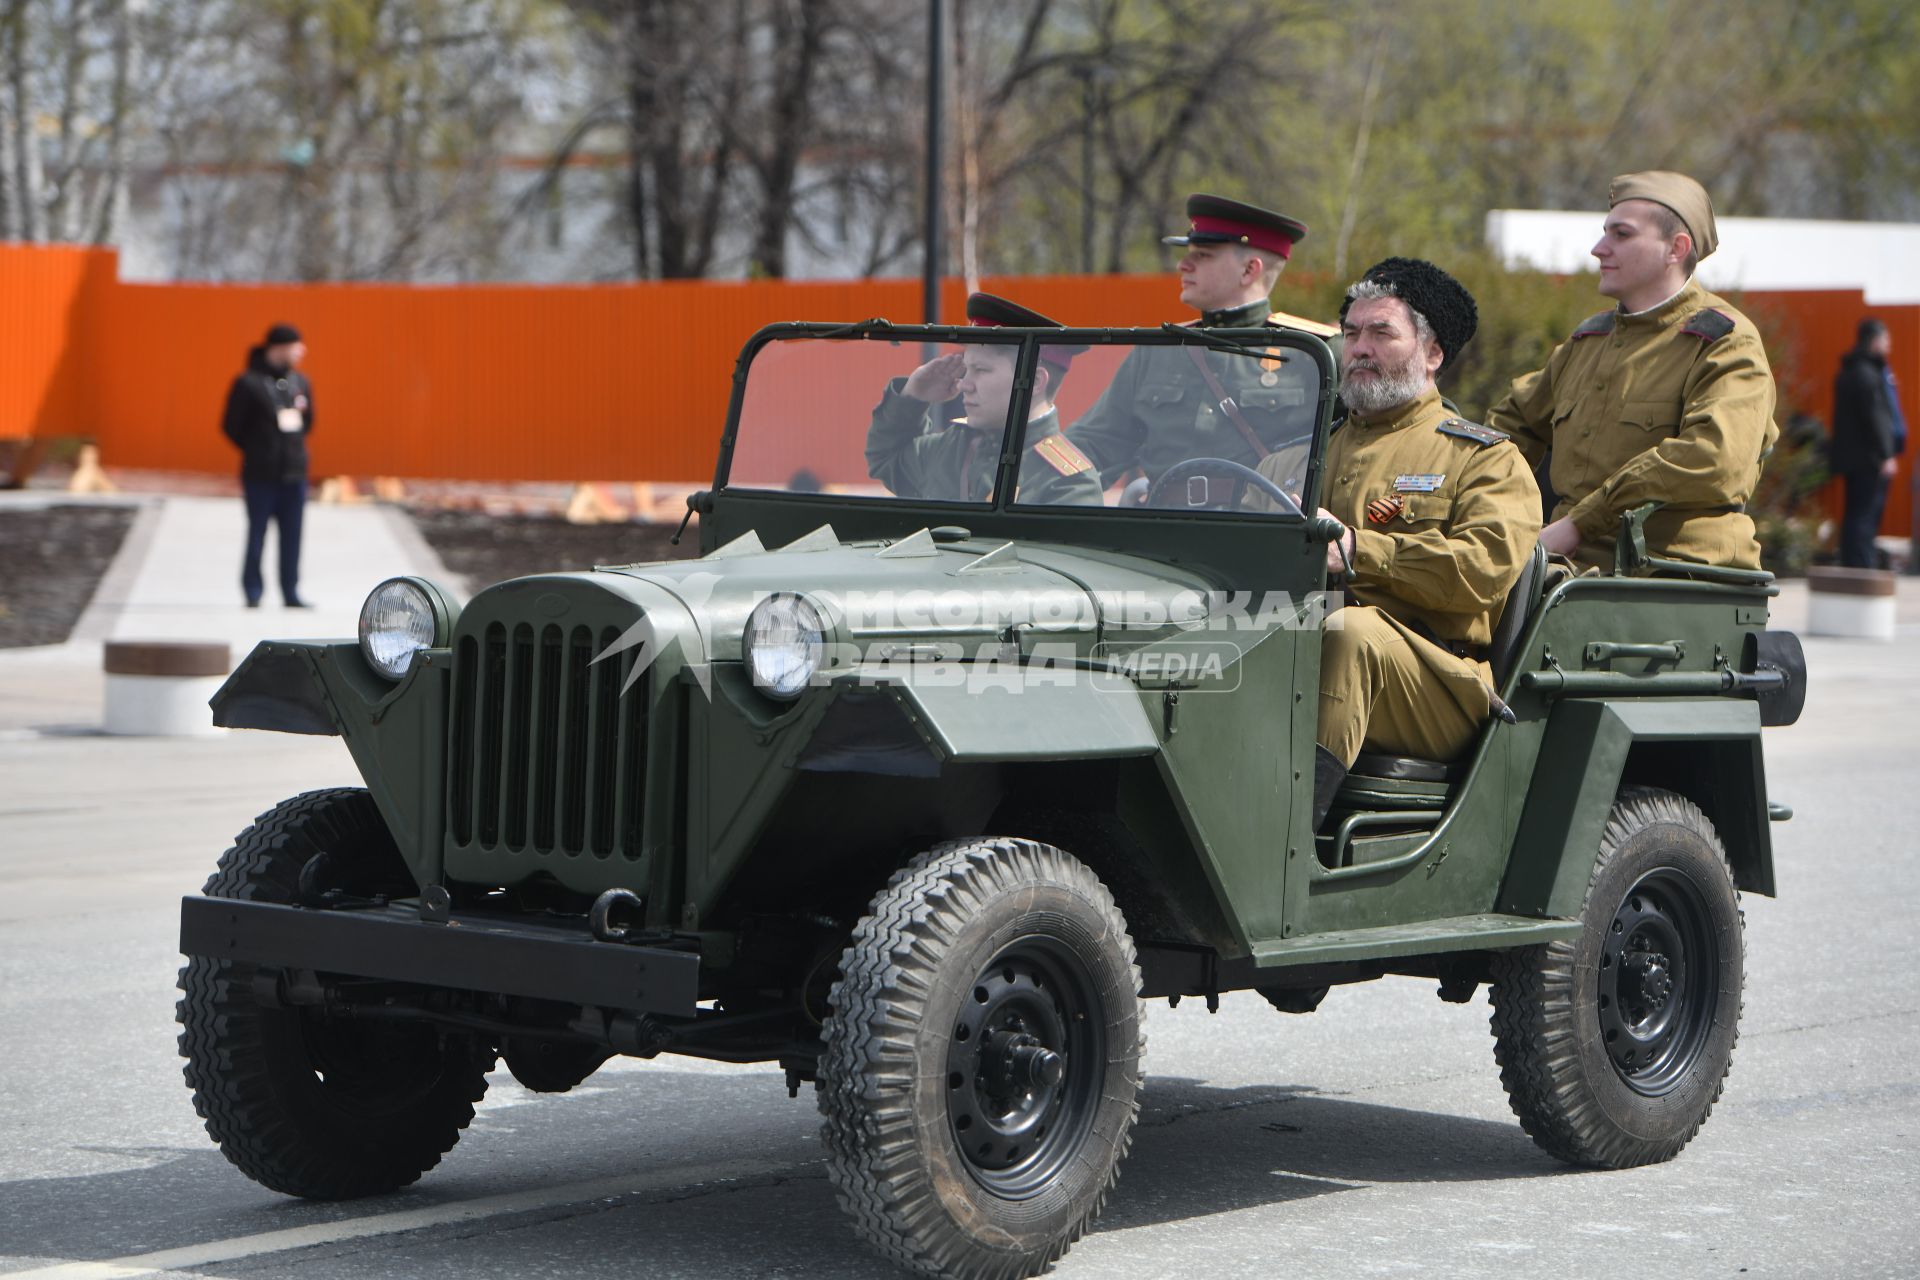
(545, 753)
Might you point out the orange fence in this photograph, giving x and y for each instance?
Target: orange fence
(484, 382)
(46, 298)
(556, 383)
(1817, 327)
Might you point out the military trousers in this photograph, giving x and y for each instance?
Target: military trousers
(1386, 688)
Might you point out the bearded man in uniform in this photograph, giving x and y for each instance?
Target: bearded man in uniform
(956, 461)
(1438, 516)
(1665, 398)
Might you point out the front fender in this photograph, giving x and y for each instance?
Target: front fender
(395, 730)
(278, 687)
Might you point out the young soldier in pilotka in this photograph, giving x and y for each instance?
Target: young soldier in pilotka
(1665, 398)
(1440, 517)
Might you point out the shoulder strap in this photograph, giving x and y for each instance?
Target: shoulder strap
(1471, 431)
(1228, 405)
(1708, 325)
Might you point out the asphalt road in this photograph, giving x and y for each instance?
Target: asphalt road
(1369, 1139)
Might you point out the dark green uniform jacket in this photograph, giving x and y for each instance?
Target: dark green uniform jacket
(956, 462)
(1159, 410)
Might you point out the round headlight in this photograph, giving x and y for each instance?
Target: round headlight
(784, 642)
(399, 619)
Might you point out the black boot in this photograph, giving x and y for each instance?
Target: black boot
(1328, 774)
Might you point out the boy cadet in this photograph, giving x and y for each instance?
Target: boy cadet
(1168, 404)
(956, 461)
(1440, 518)
(1666, 398)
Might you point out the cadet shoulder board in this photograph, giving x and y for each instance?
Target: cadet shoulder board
(1059, 453)
(1281, 320)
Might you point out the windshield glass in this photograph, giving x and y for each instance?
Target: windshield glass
(1171, 425)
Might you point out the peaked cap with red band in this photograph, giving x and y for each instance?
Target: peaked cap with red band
(1218, 220)
(992, 312)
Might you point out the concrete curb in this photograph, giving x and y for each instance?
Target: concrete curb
(115, 588)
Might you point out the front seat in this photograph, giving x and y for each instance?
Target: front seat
(1379, 781)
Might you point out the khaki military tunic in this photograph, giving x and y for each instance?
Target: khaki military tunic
(1159, 411)
(1673, 405)
(956, 462)
(1445, 515)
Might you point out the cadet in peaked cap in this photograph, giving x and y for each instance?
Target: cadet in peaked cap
(1163, 408)
(1666, 397)
(990, 311)
(955, 461)
(1218, 220)
(1219, 277)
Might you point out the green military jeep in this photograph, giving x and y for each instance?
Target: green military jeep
(921, 797)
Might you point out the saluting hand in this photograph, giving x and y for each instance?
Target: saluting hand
(937, 380)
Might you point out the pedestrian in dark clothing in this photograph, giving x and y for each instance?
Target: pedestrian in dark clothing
(1869, 435)
(269, 416)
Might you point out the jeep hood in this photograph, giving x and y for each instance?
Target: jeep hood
(919, 590)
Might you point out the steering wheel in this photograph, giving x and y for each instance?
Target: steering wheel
(1213, 484)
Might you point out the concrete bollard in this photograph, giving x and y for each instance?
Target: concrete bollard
(159, 688)
(1858, 603)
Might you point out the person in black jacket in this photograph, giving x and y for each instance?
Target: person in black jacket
(269, 416)
(1869, 435)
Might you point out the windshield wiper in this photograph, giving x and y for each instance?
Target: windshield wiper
(1199, 338)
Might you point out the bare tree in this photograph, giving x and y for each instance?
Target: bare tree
(721, 115)
(355, 139)
(345, 139)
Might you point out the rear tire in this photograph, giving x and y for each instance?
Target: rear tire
(1614, 1047)
(300, 1102)
(981, 1071)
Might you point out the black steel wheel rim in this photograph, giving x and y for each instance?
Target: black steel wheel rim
(1659, 982)
(1024, 1066)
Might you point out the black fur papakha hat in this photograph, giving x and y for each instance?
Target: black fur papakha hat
(1444, 301)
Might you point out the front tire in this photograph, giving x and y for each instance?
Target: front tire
(1614, 1047)
(304, 1103)
(981, 1070)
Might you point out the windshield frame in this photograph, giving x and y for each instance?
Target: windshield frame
(1200, 537)
(1252, 341)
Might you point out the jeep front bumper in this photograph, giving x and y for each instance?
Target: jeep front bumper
(500, 956)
